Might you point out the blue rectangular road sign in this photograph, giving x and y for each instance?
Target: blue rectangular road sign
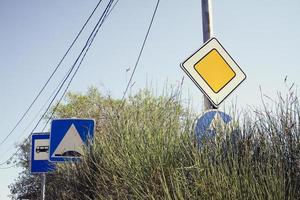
(69, 137)
(40, 154)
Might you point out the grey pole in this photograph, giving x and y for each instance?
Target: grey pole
(207, 33)
(43, 185)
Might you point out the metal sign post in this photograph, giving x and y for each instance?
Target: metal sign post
(214, 72)
(207, 33)
(43, 185)
(211, 67)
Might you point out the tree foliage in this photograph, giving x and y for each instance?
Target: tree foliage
(144, 148)
(25, 184)
(75, 105)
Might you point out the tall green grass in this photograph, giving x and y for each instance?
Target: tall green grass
(146, 149)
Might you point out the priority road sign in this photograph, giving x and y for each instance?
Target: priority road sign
(214, 71)
(40, 153)
(69, 137)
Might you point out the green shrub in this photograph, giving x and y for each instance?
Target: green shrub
(145, 149)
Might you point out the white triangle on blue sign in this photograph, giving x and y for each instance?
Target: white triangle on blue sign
(71, 145)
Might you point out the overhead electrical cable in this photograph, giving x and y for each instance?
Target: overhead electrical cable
(107, 13)
(85, 49)
(8, 167)
(36, 116)
(113, 7)
(141, 51)
(51, 76)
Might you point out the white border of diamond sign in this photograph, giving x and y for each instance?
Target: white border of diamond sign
(188, 67)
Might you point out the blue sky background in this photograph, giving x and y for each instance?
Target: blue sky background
(262, 36)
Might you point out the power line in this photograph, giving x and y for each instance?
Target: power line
(51, 76)
(37, 115)
(8, 167)
(141, 50)
(85, 48)
(113, 7)
(65, 91)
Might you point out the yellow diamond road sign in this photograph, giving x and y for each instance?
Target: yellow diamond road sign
(214, 71)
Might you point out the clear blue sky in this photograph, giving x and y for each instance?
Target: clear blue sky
(262, 36)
